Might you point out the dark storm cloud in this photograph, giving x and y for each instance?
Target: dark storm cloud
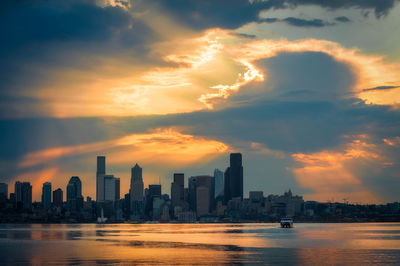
(298, 22)
(235, 13)
(381, 88)
(39, 37)
(342, 19)
(380, 7)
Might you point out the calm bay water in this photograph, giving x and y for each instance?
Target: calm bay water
(305, 244)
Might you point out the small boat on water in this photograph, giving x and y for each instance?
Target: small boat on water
(286, 222)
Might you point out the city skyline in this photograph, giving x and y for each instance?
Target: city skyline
(308, 91)
(136, 178)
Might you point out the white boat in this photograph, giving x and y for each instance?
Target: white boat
(286, 222)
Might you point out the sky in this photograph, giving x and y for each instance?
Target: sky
(307, 90)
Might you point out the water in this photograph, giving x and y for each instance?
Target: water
(305, 244)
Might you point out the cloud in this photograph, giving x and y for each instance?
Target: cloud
(345, 172)
(298, 22)
(342, 19)
(48, 42)
(224, 14)
(164, 145)
(381, 8)
(379, 88)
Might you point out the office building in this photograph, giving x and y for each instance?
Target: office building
(178, 190)
(58, 197)
(154, 191)
(219, 182)
(199, 183)
(100, 173)
(3, 191)
(74, 194)
(111, 188)
(23, 195)
(233, 183)
(136, 192)
(46, 196)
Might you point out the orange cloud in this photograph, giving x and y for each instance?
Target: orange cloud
(164, 145)
(371, 70)
(330, 173)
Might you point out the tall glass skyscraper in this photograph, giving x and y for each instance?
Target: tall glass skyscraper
(233, 187)
(136, 192)
(100, 173)
(46, 195)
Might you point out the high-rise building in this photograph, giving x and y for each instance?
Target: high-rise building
(233, 185)
(111, 187)
(198, 183)
(153, 192)
(219, 182)
(58, 197)
(136, 191)
(3, 191)
(177, 190)
(46, 195)
(100, 173)
(74, 194)
(117, 188)
(23, 195)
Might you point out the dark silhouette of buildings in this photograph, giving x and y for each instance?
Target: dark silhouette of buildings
(178, 190)
(219, 183)
(136, 192)
(100, 173)
(233, 183)
(58, 197)
(74, 194)
(201, 194)
(3, 192)
(154, 192)
(46, 196)
(23, 195)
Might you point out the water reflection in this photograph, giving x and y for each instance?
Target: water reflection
(200, 244)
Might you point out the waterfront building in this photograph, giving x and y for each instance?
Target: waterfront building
(100, 173)
(111, 188)
(219, 183)
(178, 190)
(23, 195)
(154, 191)
(46, 195)
(3, 191)
(233, 183)
(74, 194)
(136, 192)
(58, 197)
(206, 185)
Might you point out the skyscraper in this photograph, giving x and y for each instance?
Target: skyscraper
(111, 186)
(23, 195)
(201, 194)
(233, 187)
(46, 195)
(219, 182)
(3, 191)
(177, 190)
(58, 197)
(154, 192)
(100, 173)
(136, 192)
(117, 188)
(74, 194)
